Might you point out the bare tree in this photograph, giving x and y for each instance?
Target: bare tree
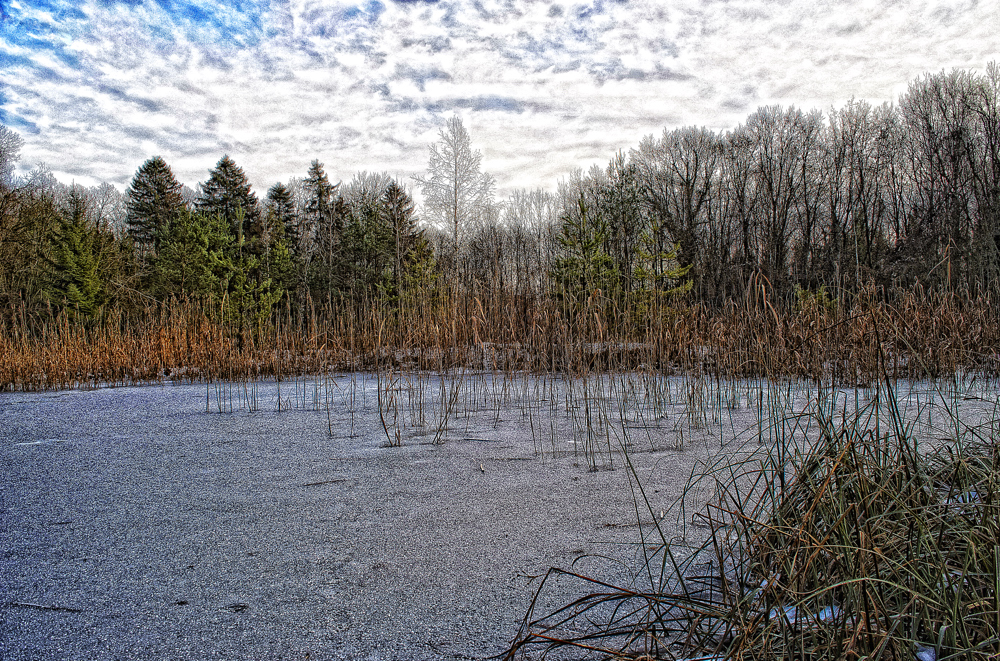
(110, 207)
(678, 175)
(782, 142)
(455, 189)
(10, 150)
(531, 218)
(862, 203)
(938, 114)
(985, 104)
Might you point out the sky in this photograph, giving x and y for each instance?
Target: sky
(96, 87)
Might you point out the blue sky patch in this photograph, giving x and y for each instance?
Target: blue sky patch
(16, 122)
(10, 61)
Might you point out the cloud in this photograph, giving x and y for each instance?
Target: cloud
(420, 74)
(479, 104)
(433, 44)
(616, 70)
(543, 87)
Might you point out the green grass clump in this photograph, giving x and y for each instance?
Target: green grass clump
(851, 541)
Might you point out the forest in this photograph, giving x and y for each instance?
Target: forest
(703, 247)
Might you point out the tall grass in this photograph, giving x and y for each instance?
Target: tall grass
(842, 536)
(438, 330)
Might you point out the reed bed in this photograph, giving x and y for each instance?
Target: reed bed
(919, 333)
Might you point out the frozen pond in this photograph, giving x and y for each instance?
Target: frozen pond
(194, 522)
(135, 525)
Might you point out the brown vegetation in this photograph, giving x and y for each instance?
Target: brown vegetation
(919, 334)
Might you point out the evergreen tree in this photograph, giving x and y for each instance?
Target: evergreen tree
(78, 268)
(28, 220)
(280, 266)
(381, 249)
(618, 203)
(194, 257)
(197, 259)
(364, 248)
(323, 217)
(227, 194)
(281, 209)
(585, 267)
(409, 248)
(153, 200)
(319, 194)
(657, 268)
(252, 291)
(281, 227)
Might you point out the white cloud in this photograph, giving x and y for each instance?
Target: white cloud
(543, 87)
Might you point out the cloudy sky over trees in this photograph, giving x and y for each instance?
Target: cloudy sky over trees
(97, 87)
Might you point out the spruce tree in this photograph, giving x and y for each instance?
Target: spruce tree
(77, 269)
(408, 247)
(321, 219)
(282, 250)
(281, 207)
(194, 257)
(227, 194)
(584, 267)
(153, 200)
(319, 192)
(323, 227)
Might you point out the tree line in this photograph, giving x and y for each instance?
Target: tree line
(896, 196)
(891, 195)
(87, 249)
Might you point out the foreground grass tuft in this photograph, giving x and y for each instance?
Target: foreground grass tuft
(852, 541)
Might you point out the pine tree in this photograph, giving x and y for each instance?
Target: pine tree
(252, 291)
(323, 218)
(585, 267)
(153, 199)
(409, 249)
(282, 237)
(319, 193)
(323, 221)
(227, 194)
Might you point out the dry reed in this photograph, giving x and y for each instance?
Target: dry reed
(920, 334)
(830, 539)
